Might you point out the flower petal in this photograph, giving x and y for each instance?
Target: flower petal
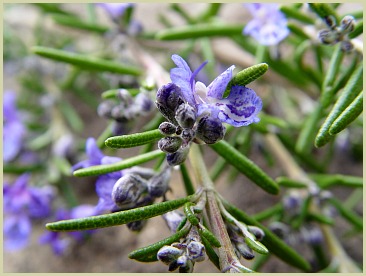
(181, 76)
(240, 108)
(218, 86)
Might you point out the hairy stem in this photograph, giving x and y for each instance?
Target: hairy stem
(227, 256)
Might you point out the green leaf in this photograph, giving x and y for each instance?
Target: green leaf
(127, 163)
(85, 62)
(247, 76)
(246, 166)
(256, 246)
(52, 8)
(192, 218)
(348, 115)
(186, 180)
(290, 183)
(149, 253)
(112, 94)
(209, 236)
(199, 30)
(320, 218)
(211, 252)
(133, 140)
(325, 181)
(333, 69)
(118, 218)
(274, 244)
(323, 10)
(347, 214)
(350, 91)
(72, 21)
(292, 12)
(271, 211)
(297, 30)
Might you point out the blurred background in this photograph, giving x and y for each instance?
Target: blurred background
(26, 25)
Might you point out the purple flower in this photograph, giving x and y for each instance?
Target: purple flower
(115, 10)
(269, 24)
(104, 183)
(57, 240)
(17, 229)
(19, 198)
(13, 128)
(240, 108)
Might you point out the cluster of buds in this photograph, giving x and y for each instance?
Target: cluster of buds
(307, 232)
(125, 109)
(184, 126)
(136, 189)
(335, 34)
(241, 245)
(183, 255)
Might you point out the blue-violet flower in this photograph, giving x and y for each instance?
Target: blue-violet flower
(269, 24)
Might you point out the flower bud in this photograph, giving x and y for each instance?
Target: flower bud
(167, 128)
(347, 24)
(125, 97)
(168, 254)
(128, 189)
(158, 184)
(210, 130)
(170, 144)
(280, 229)
(137, 225)
(143, 103)
(186, 115)
(187, 267)
(328, 37)
(256, 231)
(177, 157)
(347, 46)
(196, 251)
(245, 251)
(168, 98)
(312, 236)
(330, 21)
(105, 109)
(188, 135)
(173, 219)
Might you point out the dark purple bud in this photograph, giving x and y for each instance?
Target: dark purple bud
(256, 231)
(168, 254)
(173, 265)
(167, 128)
(347, 24)
(128, 189)
(136, 226)
(330, 21)
(170, 144)
(159, 184)
(125, 97)
(280, 229)
(312, 236)
(177, 157)
(168, 99)
(196, 251)
(186, 115)
(210, 130)
(328, 37)
(245, 251)
(347, 46)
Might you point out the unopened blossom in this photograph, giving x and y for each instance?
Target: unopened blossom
(13, 128)
(269, 24)
(240, 108)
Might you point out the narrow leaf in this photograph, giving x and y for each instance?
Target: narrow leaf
(322, 9)
(274, 244)
(118, 218)
(209, 236)
(85, 62)
(149, 253)
(256, 246)
(246, 166)
(357, 30)
(292, 12)
(297, 30)
(347, 214)
(127, 163)
(133, 140)
(350, 91)
(271, 211)
(74, 22)
(199, 30)
(325, 181)
(247, 76)
(112, 94)
(192, 218)
(290, 183)
(211, 253)
(348, 115)
(186, 179)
